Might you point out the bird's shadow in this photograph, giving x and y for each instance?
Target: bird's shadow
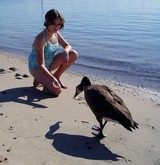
(25, 95)
(80, 146)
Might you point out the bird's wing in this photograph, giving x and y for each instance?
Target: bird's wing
(104, 102)
(107, 89)
(117, 101)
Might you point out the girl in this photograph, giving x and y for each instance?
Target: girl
(43, 58)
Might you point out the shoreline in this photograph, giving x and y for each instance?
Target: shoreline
(99, 74)
(37, 128)
(151, 94)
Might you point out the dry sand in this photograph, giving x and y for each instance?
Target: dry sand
(38, 129)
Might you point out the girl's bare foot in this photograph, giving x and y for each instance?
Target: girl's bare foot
(62, 85)
(37, 84)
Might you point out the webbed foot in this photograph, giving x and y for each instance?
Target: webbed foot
(96, 128)
(99, 135)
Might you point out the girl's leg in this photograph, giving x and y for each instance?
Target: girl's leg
(38, 77)
(37, 84)
(57, 64)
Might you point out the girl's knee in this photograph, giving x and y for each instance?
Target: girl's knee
(56, 92)
(74, 54)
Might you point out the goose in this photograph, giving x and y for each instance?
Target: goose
(106, 105)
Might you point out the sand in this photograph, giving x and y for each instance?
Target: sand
(39, 129)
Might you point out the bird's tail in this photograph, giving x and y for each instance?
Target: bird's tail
(130, 125)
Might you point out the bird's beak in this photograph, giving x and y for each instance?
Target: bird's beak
(77, 92)
(75, 95)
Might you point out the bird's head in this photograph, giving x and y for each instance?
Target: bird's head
(85, 82)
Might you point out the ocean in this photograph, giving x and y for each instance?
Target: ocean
(116, 40)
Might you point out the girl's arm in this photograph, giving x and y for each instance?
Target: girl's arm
(67, 47)
(39, 45)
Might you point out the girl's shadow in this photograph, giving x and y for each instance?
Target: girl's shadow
(80, 146)
(25, 95)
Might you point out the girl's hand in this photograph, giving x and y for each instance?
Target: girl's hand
(56, 84)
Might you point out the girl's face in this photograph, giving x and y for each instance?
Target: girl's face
(55, 26)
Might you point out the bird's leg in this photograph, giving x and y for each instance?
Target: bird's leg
(105, 122)
(100, 134)
(96, 128)
(99, 129)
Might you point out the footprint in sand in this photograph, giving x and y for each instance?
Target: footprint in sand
(157, 162)
(158, 104)
(3, 159)
(2, 71)
(13, 69)
(83, 102)
(8, 150)
(1, 114)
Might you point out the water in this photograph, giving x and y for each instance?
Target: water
(118, 39)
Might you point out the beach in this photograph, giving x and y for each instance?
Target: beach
(39, 129)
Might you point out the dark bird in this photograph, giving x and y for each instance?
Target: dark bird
(106, 105)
